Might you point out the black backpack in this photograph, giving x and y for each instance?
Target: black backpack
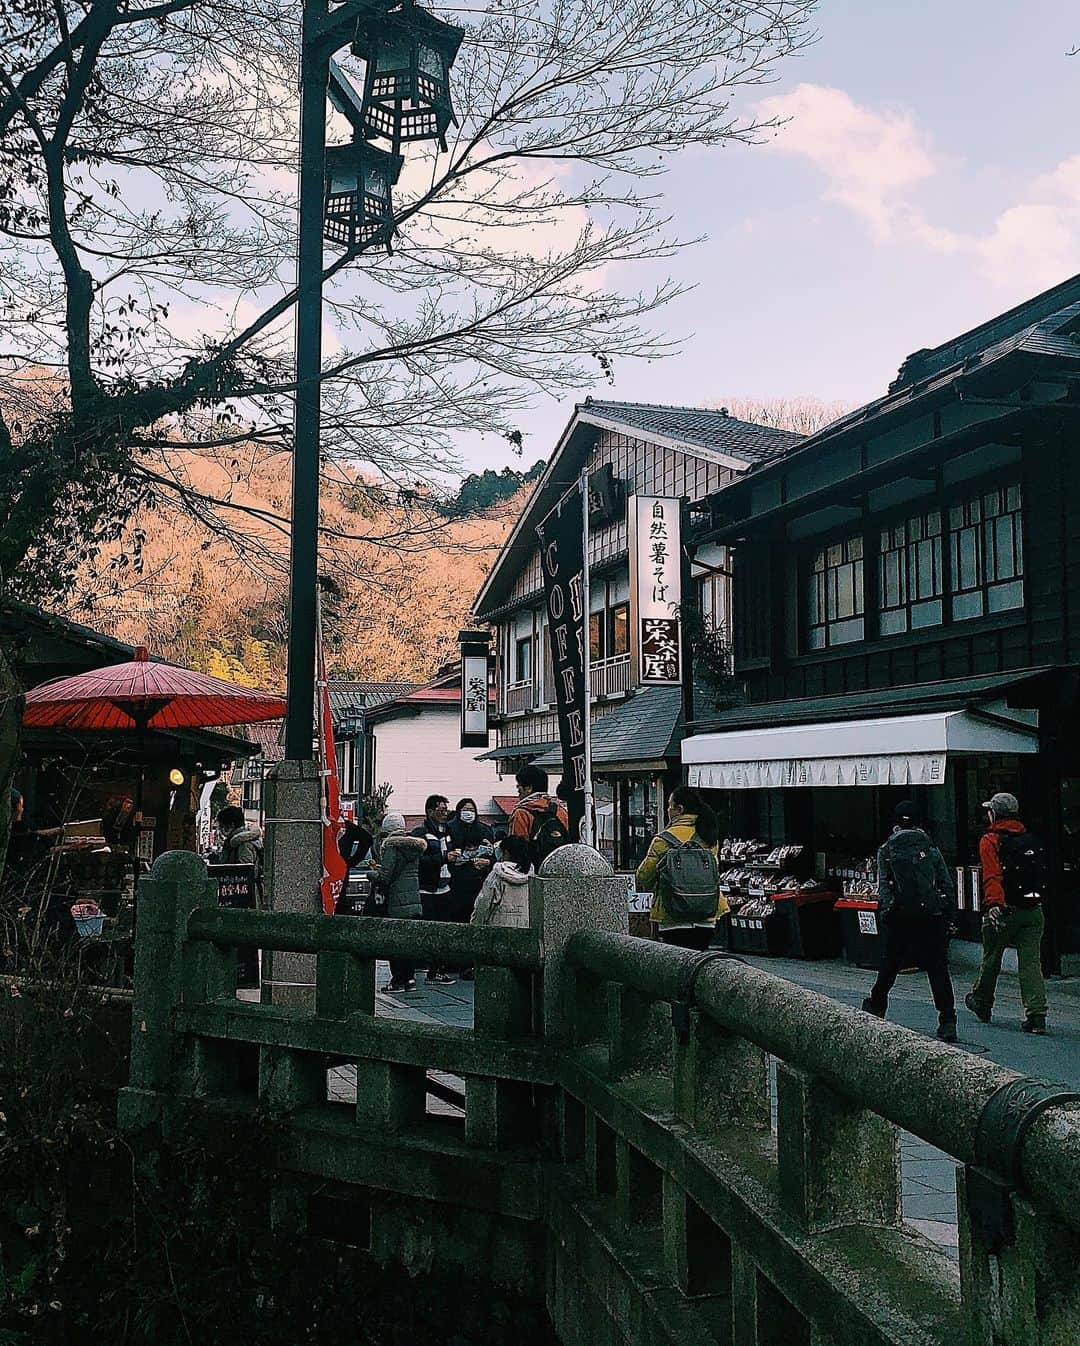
(1023, 869)
(547, 833)
(909, 857)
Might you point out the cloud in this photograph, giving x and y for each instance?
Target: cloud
(870, 159)
(878, 164)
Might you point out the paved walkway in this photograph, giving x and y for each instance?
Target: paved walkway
(929, 1177)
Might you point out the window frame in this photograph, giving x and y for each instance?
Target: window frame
(918, 535)
(521, 644)
(988, 530)
(809, 584)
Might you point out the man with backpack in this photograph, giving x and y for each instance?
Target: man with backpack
(681, 872)
(538, 817)
(1014, 873)
(916, 898)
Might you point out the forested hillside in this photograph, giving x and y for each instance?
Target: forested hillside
(400, 574)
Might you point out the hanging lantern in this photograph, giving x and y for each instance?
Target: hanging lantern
(359, 212)
(408, 54)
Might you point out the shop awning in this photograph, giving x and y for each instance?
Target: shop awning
(898, 750)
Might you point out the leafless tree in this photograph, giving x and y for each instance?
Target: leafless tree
(805, 415)
(147, 152)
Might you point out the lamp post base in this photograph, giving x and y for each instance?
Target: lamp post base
(292, 871)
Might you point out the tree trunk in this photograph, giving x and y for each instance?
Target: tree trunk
(11, 713)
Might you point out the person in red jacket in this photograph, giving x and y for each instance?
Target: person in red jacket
(1007, 924)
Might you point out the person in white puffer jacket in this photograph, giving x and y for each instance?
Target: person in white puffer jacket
(504, 898)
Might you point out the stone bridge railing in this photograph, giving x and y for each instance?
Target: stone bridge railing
(621, 1158)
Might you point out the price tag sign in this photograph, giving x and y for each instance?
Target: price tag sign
(868, 923)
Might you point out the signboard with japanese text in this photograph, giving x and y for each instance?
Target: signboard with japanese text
(655, 590)
(562, 565)
(474, 689)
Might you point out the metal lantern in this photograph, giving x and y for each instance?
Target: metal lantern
(408, 54)
(359, 212)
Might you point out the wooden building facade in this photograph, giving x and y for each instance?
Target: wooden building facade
(916, 561)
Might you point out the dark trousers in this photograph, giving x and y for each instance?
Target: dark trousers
(436, 907)
(402, 971)
(920, 941)
(689, 937)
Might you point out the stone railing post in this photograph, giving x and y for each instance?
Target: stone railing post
(293, 869)
(575, 890)
(839, 1163)
(175, 887)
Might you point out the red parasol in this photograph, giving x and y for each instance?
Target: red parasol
(141, 695)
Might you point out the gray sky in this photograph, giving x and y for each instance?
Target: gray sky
(928, 178)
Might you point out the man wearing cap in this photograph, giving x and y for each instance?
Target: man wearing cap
(1013, 875)
(916, 896)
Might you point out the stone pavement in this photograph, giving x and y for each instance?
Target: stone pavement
(929, 1181)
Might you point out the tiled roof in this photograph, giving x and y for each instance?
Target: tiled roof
(706, 427)
(347, 696)
(270, 736)
(912, 698)
(647, 728)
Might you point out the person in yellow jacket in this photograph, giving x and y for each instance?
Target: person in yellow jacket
(688, 816)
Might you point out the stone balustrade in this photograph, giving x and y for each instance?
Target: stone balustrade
(620, 1158)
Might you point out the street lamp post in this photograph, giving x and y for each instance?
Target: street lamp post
(408, 53)
(345, 197)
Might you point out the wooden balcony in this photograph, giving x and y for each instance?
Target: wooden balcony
(610, 677)
(518, 697)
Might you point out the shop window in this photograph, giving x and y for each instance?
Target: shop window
(986, 553)
(596, 637)
(910, 583)
(835, 601)
(618, 631)
(523, 660)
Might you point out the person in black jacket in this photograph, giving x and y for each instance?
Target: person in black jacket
(435, 873)
(472, 853)
(916, 897)
(355, 842)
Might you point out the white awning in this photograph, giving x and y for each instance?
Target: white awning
(899, 750)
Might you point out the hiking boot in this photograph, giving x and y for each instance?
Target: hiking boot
(1034, 1023)
(870, 1008)
(979, 1010)
(947, 1027)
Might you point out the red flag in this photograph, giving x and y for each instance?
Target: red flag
(335, 870)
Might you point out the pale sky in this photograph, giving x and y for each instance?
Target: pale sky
(928, 178)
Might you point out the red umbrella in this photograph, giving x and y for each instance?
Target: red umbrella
(141, 695)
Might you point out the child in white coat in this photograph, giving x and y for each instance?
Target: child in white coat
(504, 898)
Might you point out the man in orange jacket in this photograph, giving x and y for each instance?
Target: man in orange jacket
(539, 817)
(1012, 912)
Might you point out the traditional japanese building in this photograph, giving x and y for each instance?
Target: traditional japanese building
(907, 612)
(629, 450)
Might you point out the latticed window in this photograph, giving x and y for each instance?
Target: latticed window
(835, 602)
(910, 582)
(986, 553)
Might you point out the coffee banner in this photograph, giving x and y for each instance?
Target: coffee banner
(562, 563)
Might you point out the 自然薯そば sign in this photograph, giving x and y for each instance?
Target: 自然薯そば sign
(655, 589)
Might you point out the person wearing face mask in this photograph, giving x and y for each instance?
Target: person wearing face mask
(435, 873)
(471, 855)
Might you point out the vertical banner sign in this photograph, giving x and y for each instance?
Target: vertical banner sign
(562, 564)
(474, 688)
(656, 589)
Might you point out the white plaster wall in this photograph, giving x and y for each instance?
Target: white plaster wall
(419, 755)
